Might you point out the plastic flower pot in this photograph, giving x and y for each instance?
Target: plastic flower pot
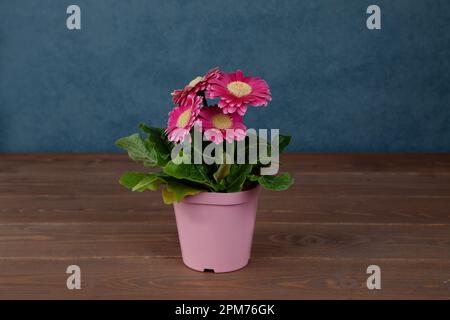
(216, 229)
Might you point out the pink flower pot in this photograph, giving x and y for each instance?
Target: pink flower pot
(216, 229)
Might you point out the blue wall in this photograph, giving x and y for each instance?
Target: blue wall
(336, 85)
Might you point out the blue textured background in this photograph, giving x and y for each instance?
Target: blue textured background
(336, 85)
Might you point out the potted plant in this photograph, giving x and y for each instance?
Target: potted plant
(214, 181)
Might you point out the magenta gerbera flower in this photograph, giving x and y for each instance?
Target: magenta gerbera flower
(196, 85)
(219, 126)
(237, 91)
(182, 118)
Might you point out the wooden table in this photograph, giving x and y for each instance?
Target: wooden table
(344, 213)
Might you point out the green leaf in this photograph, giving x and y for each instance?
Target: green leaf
(176, 191)
(237, 176)
(137, 181)
(283, 142)
(173, 191)
(157, 140)
(138, 150)
(130, 179)
(168, 197)
(151, 182)
(253, 177)
(151, 130)
(279, 182)
(192, 172)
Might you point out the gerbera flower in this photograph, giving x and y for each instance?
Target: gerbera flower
(182, 118)
(198, 84)
(237, 91)
(219, 126)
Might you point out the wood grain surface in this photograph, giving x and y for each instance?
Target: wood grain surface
(344, 213)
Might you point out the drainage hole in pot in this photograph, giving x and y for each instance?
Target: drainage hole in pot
(208, 270)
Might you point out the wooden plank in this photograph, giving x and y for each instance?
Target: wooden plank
(345, 211)
(148, 206)
(168, 278)
(307, 184)
(427, 176)
(52, 164)
(307, 162)
(356, 241)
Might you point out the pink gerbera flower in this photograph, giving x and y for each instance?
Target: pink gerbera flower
(182, 118)
(219, 126)
(198, 84)
(237, 91)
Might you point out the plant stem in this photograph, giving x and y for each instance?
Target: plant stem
(205, 102)
(222, 172)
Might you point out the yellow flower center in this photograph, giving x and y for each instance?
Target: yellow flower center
(221, 121)
(239, 88)
(195, 81)
(183, 119)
